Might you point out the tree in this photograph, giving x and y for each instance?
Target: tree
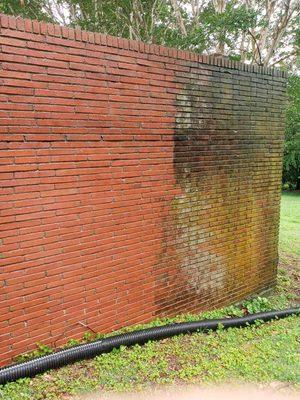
(291, 160)
(262, 32)
(273, 38)
(35, 9)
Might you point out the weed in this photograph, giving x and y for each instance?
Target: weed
(257, 304)
(41, 350)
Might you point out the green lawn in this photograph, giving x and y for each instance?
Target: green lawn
(262, 353)
(289, 237)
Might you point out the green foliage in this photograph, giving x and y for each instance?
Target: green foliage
(72, 343)
(98, 16)
(291, 161)
(41, 350)
(225, 27)
(88, 337)
(154, 21)
(258, 304)
(34, 9)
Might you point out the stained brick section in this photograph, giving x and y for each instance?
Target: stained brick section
(136, 181)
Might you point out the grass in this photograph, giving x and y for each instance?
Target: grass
(289, 237)
(261, 353)
(289, 243)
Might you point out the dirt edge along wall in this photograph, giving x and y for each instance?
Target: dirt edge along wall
(136, 181)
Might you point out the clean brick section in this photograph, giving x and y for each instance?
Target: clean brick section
(136, 181)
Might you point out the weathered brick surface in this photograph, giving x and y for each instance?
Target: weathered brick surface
(136, 181)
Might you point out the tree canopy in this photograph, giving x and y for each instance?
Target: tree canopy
(262, 32)
(291, 160)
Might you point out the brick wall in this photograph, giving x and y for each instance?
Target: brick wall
(136, 181)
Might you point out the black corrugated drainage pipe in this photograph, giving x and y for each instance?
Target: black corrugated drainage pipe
(88, 350)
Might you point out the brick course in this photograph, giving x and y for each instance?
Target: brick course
(136, 181)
